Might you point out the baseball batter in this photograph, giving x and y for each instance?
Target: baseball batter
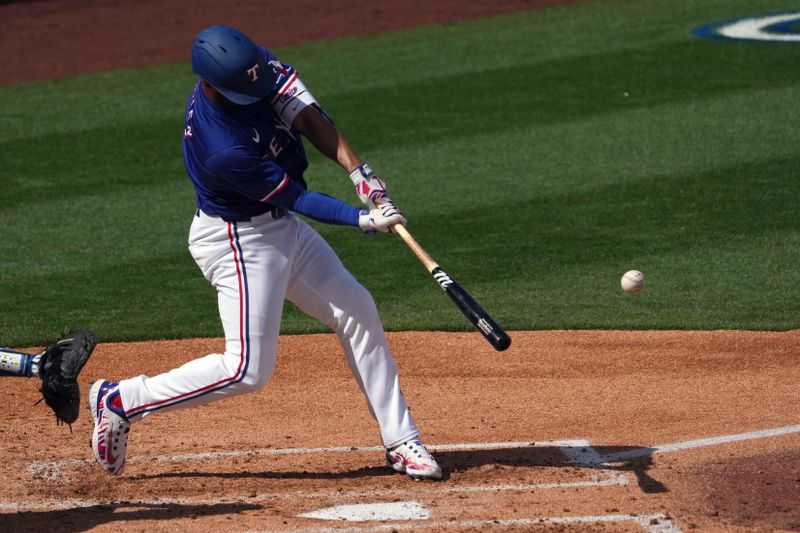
(244, 155)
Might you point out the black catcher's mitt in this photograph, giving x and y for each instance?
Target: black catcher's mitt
(59, 367)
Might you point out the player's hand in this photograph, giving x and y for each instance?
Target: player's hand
(382, 218)
(371, 190)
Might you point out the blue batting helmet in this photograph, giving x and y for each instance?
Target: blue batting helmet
(228, 60)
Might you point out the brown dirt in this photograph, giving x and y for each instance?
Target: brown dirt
(618, 390)
(42, 40)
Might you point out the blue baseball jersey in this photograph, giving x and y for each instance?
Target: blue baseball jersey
(244, 161)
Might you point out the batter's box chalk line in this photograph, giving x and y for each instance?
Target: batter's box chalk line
(52, 470)
(579, 452)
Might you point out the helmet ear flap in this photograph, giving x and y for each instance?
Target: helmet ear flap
(232, 63)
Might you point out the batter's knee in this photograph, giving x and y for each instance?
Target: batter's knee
(358, 309)
(257, 367)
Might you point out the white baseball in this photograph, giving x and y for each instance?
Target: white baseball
(632, 281)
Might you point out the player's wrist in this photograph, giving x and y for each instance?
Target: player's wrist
(361, 172)
(18, 363)
(365, 222)
(381, 219)
(370, 189)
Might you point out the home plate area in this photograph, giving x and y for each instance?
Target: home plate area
(503, 485)
(564, 485)
(572, 466)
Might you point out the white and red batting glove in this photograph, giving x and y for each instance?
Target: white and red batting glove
(371, 190)
(382, 218)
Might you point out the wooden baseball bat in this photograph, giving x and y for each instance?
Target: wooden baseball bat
(460, 297)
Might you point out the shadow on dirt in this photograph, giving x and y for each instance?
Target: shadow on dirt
(461, 461)
(580, 464)
(126, 513)
(547, 456)
(372, 471)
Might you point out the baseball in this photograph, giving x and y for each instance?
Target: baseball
(632, 281)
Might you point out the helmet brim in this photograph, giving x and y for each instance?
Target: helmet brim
(238, 98)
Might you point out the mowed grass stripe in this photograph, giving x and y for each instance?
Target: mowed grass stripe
(538, 156)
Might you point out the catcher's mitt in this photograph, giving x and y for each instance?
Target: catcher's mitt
(59, 367)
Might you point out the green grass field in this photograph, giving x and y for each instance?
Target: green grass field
(537, 155)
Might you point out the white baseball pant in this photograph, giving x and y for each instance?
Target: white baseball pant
(255, 266)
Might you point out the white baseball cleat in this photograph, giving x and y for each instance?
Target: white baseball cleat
(415, 460)
(111, 426)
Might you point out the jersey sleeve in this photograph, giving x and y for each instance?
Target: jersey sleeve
(289, 94)
(251, 176)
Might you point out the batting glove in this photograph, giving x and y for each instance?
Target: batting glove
(382, 218)
(371, 190)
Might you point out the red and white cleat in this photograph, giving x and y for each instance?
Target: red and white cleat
(111, 426)
(415, 460)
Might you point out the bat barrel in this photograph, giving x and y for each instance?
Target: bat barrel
(477, 316)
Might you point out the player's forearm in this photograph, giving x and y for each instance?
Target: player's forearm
(326, 209)
(326, 138)
(316, 205)
(18, 363)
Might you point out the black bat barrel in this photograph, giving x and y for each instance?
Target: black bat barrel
(474, 312)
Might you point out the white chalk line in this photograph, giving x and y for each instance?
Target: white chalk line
(585, 457)
(51, 469)
(700, 443)
(79, 503)
(653, 523)
(570, 448)
(579, 451)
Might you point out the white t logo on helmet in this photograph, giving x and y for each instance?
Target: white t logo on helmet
(253, 72)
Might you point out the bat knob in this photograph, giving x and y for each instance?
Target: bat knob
(502, 342)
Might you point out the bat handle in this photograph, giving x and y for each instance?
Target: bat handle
(421, 254)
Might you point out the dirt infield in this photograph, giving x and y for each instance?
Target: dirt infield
(590, 430)
(46, 39)
(577, 431)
